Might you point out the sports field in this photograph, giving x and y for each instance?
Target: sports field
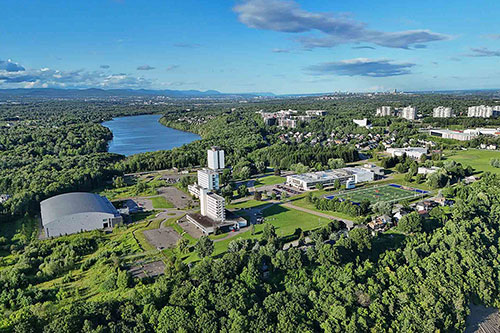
(387, 192)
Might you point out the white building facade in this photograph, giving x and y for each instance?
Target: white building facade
(212, 205)
(384, 111)
(413, 152)
(442, 112)
(483, 111)
(409, 113)
(208, 179)
(215, 158)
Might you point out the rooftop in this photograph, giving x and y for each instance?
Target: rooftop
(74, 203)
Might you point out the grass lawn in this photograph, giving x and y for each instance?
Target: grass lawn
(269, 180)
(478, 159)
(250, 203)
(377, 194)
(285, 220)
(302, 202)
(161, 203)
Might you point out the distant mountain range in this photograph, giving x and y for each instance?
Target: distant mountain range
(94, 92)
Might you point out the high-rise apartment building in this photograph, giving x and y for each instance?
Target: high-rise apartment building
(409, 113)
(442, 112)
(384, 111)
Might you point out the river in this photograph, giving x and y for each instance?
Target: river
(139, 134)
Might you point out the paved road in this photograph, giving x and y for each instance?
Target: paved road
(348, 223)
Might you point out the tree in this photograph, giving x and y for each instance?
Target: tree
(118, 182)
(204, 247)
(410, 223)
(336, 163)
(319, 186)
(123, 279)
(382, 208)
(242, 191)
(182, 245)
(257, 195)
(269, 231)
(361, 238)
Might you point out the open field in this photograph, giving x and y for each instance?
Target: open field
(161, 203)
(285, 220)
(269, 180)
(377, 194)
(302, 202)
(478, 159)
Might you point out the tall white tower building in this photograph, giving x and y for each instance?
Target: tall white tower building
(215, 158)
(409, 112)
(442, 112)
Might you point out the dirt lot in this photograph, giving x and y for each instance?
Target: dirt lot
(177, 197)
(162, 238)
(151, 269)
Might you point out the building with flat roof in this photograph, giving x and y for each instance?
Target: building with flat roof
(362, 122)
(413, 152)
(442, 112)
(483, 111)
(215, 157)
(384, 111)
(78, 211)
(212, 205)
(309, 181)
(451, 134)
(409, 113)
(208, 179)
(319, 113)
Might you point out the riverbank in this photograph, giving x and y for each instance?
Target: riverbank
(144, 133)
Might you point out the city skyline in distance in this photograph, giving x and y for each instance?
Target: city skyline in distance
(283, 47)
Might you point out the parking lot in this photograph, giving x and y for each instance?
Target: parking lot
(162, 238)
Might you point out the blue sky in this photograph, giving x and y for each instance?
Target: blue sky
(251, 45)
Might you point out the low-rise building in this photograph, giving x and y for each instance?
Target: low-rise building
(309, 181)
(427, 171)
(413, 152)
(362, 122)
(319, 113)
(74, 212)
(454, 135)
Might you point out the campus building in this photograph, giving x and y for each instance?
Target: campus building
(442, 112)
(409, 113)
(309, 181)
(74, 212)
(208, 178)
(384, 111)
(215, 157)
(413, 152)
(455, 135)
(212, 205)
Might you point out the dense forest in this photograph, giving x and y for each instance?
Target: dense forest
(421, 282)
(422, 277)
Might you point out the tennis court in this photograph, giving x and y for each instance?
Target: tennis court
(388, 192)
